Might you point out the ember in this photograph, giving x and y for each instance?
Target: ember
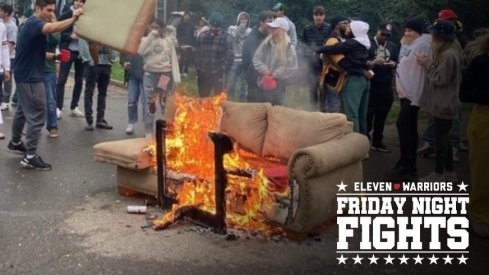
(190, 152)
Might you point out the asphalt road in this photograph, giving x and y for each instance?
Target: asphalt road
(71, 220)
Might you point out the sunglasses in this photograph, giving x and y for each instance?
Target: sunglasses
(385, 34)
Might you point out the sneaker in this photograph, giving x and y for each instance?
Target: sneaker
(2, 136)
(433, 177)
(104, 125)
(17, 149)
(130, 129)
(58, 113)
(54, 133)
(451, 177)
(35, 163)
(381, 148)
(76, 113)
(4, 106)
(89, 127)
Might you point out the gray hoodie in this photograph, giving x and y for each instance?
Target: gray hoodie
(238, 34)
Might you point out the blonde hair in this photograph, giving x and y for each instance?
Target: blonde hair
(478, 46)
(440, 46)
(283, 44)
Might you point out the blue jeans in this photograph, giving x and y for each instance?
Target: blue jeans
(237, 72)
(136, 92)
(50, 86)
(154, 94)
(333, 101)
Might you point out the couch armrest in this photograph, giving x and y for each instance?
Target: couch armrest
(329, 156)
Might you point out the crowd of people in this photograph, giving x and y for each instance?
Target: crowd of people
(348, 72)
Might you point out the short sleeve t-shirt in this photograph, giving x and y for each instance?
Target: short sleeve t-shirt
(31, 52)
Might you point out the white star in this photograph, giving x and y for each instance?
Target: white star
(433, 259)
(418, 260)
(357, 260)
(403, 259)
(342, 259)
(373, 259)
(341, 186)
(462, 260)
(389, 259)
(462, 186)
(447, 259)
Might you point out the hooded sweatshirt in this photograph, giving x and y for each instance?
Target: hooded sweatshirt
(238, 33)
(159, 55)
(410, 76)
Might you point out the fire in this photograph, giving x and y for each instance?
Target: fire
(190, 151)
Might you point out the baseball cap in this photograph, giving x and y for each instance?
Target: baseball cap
(278, 7)
(279, 22)
(447, 14)
(444, 29)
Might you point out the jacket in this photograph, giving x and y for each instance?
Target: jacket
(237, 34)
(443, 80)
(265, 58)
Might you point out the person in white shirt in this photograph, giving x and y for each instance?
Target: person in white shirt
(4, 61)
(11, 32)
(410, 85)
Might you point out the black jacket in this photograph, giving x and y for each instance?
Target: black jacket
(356, 55)
(251, 43)
(314, 38)
(383, 74)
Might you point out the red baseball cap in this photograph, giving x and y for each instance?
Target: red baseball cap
(447, 14)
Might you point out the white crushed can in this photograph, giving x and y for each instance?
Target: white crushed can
(136, 209)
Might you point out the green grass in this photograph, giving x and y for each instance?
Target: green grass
(117, 72)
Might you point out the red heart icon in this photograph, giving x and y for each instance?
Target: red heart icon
(397, 186)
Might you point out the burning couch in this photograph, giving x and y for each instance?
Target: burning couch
(298, 158)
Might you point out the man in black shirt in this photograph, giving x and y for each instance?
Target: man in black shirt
(314, 36)
(383, 60)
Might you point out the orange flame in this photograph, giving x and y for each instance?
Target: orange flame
(190, 151)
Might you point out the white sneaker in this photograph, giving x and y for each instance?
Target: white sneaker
(58, 113)
(130, 129)
(4, 106)
(76, 113)
(2, 136)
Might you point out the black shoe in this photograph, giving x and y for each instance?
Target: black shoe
(35, 163)
(89, 127)
(104, 125)
(17, 149)
(381, 148)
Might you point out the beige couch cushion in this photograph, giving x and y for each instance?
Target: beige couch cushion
(289, 130)
(127, 153)
(117, 24)
(246, 123)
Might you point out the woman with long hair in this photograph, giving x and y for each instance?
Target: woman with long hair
(444, 75)
(475, 89)
(276, 59)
